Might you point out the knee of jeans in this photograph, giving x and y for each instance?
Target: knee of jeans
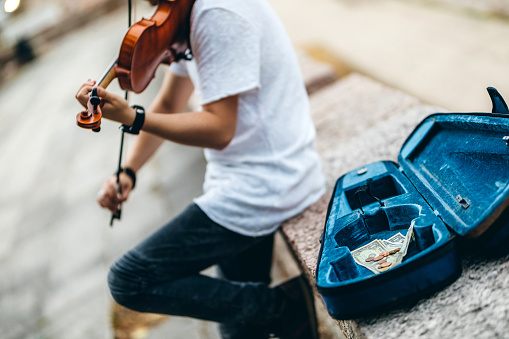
(124, 286)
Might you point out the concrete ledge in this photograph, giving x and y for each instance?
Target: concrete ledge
(316, 75)
(496, 8)
(359, 121)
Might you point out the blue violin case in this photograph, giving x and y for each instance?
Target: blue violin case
(451, 183)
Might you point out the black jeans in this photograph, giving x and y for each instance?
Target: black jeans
(162, 275)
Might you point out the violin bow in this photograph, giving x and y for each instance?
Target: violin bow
(118, 187)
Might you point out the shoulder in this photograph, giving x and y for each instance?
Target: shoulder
(201, 6)
(218, 14)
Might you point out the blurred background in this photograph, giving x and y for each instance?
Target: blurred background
(55, 242)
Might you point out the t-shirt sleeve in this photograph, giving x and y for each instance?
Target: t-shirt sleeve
(179, 68)
(227, 52)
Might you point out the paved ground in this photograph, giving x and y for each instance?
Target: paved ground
(441, 54)
(55, 245)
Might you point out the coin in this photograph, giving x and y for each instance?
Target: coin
(382, 262)
(380, 257)
(370, 259)
(394, 251)
(385, 254)
(382, 269)
(386, 264)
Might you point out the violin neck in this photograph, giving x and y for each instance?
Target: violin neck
(108, 77)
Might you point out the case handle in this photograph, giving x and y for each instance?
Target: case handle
(366, 188)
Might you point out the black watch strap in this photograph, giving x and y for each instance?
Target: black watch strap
(130, 173)
(138, 121)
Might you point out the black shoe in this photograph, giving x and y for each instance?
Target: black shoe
(297, 319)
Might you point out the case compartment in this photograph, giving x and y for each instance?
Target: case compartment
(452, 173)
(350, 227)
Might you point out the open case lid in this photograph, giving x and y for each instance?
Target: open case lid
(459, 162)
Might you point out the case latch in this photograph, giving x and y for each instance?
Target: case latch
(463, 202)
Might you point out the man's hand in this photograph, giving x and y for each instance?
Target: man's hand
(108, 196)
(115, 107)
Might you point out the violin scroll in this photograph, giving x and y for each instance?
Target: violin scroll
(91, 117)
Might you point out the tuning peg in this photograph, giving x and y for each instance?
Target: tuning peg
(94, 99)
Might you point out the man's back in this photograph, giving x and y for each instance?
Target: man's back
(270, 170)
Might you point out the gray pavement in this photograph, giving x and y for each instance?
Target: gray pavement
(55, 244)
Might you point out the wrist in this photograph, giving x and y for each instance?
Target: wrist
(130, 116)
(136, 122)
(130, 173)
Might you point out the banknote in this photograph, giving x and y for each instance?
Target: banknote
(376, 247)
(373, 250)
(408, 238)
(398, 237)
(370, 250)
(396, 241)
(404, 246)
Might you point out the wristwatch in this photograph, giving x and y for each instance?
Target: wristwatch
(138, 121)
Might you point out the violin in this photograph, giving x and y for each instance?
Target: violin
(162, 39)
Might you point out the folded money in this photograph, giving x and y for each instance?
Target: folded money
(370, 250)
(391, 250)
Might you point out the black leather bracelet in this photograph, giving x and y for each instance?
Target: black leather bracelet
(138, 121)
(130, 173)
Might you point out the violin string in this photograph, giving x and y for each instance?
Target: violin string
(107, 236)
(129, 24)
(135, 6)
(129, 18)
(122, 132)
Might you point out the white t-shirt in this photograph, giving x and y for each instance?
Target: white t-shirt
(270, 171)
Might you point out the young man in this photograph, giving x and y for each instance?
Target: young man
(262, 168)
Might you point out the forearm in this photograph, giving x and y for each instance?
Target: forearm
(142, 149)
(202, 129)
(213, 127)
(172, 97)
